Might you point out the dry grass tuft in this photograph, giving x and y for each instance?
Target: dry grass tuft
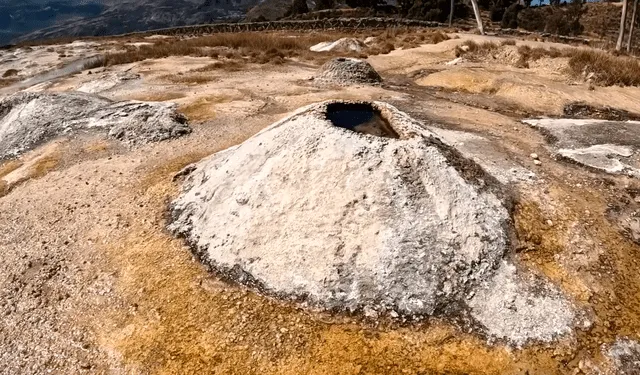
(226, 65)
(10, 73)
(607, 69)
(599, 66)
(472, 49)
(189, 78)
(4, 188)
(437, 37)
(528, 54)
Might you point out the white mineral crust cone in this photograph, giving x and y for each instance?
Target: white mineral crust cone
(392, 221)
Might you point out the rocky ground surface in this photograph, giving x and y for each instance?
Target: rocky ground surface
(30, 119)
(92, 282)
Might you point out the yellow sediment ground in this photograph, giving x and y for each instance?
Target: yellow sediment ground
(181, 319)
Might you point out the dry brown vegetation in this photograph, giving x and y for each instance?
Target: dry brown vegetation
(260, 47)
(528, 54)
(538, 53)
(228, 65)
(10, 73)
(189, 78)
(602, 67)
(263, 48)
(508, 42)
(607, 69)
(472, 49)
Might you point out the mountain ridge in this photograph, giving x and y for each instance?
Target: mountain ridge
(70, 18)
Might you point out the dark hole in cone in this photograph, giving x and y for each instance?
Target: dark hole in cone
(361, 118)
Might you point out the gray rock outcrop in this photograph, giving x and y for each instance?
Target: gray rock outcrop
(601, 145)
(624, 355)
(29, 119)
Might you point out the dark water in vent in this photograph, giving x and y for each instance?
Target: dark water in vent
(361, 118)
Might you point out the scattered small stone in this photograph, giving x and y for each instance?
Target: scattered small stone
(534, 156)
(550, 223)
(537, 162)
(455, 61)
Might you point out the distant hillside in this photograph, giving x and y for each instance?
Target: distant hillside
(20, 17)
(21, 20)
(39, 19)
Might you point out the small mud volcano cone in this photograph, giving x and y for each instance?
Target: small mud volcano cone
(348, 206)
(347, 71)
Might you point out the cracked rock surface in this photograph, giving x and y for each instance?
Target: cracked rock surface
(29, 119)
(602, 145)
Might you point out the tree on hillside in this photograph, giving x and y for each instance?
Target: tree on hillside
(325, 4)
(430, 10)
(437, 10)
(633, 22)
(623, 24)
(510, 18)
(363, 3)
(452, 7)
(299, 7)
(476, 11)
